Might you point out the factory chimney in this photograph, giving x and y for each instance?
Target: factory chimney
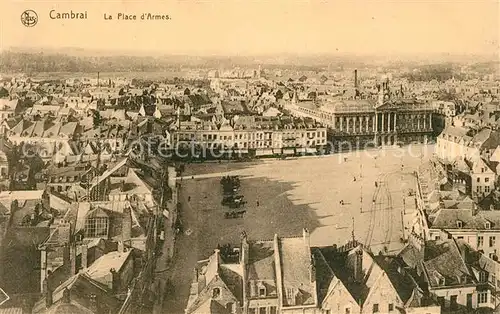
(356, 78)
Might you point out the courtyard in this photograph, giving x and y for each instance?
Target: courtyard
(336, 197)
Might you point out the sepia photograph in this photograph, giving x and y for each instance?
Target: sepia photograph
(249, 156)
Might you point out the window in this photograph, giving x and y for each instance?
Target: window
(483, 276)
(492, 241)
(441, 301)
(96, 227)
(486, 179)
(453, 302)
(478, 180)
(459, 224)
(460, 238)
(251, 310)
(487, 189)
(482, 297)
(262, 310)
(215, 293)
(347, 310)
(272, 310)
(487, 225)
(375, 308)
(391, 307)
(230, 307)
(262, 292)
(480, 241)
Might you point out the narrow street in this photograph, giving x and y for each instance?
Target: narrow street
(181, 270)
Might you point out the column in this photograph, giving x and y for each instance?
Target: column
(383, 122)
(375, 122)
(389, 122)
(418, 122)
(341, 123)
(395, 119)
(430, 121)
(367, 128)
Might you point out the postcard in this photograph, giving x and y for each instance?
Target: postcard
(249, 157)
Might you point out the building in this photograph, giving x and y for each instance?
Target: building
(286, 275)
(259, 135)
(459, 142)
(439, 265)
(389, 119)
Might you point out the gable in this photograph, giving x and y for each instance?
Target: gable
(382, 289)
(339, 296)
(216, 291)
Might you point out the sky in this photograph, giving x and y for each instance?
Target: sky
(256, 27)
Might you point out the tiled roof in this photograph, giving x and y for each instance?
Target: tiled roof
(443, 259)
(296, 260)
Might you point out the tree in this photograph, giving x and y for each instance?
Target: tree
(279, 95)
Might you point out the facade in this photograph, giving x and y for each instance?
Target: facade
(265, 137)
(381, 121)
(286, 275)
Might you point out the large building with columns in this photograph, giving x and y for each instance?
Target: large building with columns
(386, 120)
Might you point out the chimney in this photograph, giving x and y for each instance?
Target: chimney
(306, 237)
(85, 249)
(47, 289)
(217, 257)
(66, 254)
(121, 247)
(358, 265)
(244, 249)
(312, 270)
(94, 305)
(115, 281)
(127, 224)
(356, 78)
(72, 258)
(66, 296)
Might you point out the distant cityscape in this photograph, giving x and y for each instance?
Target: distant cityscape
(236, 185)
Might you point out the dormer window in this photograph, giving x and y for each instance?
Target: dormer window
(487, 225)
(459, 224)
(216, 293)
(262, 291)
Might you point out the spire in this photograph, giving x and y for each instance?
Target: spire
(157, 113)
(142, 111)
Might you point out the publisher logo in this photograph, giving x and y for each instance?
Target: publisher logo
(29, 18)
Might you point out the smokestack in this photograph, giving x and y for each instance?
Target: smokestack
(356, 78)
(84, 256)
(98, 82)
(358, 265)
(115, 280)
(48, 292)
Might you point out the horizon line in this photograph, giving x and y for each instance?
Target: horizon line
(159, 53)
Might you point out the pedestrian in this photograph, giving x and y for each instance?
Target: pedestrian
(376, 184)
(189, 198)
(354, 179)
(192, 177)
(258, 203)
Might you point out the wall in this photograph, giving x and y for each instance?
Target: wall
(339, 299)
(383, 294)
(460, 292)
